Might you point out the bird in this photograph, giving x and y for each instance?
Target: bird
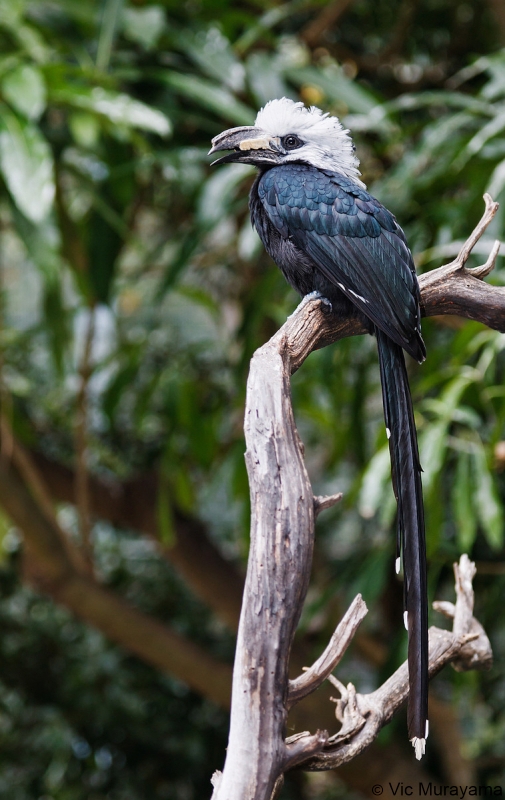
(332, 239)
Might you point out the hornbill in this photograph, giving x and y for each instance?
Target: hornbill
(331, 238)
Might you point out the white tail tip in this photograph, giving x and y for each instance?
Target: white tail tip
(397, 565)
(406, 620)
(388, 433)
(427, 730)
(419, 746)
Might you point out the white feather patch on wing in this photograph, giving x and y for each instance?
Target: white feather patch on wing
(358, 296)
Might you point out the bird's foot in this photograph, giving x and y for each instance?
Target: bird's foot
(315, 295)
(328, 307)
(318, 296)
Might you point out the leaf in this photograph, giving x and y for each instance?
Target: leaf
(489, 509)
(497, 180)
(164, 514)
(85, 128)
(25, 90)
(467, 416)
(57, 327)
(183, 490)
(451, 395)
(165, 520)
(11, 11)
(336, 86)
(125, 377)
(441, 98)
(214, 55)
(265, 78)
(483, 135)
(43, 244)
(464, 511)
(267, 21)
(31, 42)
(496, 69)
(104, 245)
(209, 95)
(5, 529)
(433, 441)
(120, 109)
(144, 26)
(249, 243)
(219, 191)
(374, 482)
(373, 573)
(109, 21)
(184, 250)
(27, 165)
(432, 447)
(123, 109)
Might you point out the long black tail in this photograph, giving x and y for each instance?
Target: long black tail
(406, 473)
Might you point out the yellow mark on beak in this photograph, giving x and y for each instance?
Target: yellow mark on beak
(255, 144)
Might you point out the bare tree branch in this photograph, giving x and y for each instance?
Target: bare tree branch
(313, 677)
(497, 8)
(81, 441)
(362, 716)
(321, 503)
(325, 20)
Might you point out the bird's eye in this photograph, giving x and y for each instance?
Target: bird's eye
(291, 142)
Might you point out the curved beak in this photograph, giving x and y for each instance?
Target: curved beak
(250, 145)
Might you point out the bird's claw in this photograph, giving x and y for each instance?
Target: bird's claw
(328, 308)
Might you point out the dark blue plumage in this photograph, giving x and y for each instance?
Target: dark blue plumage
(356, 243)
(328, 234)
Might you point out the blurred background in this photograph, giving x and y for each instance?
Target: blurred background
(133, 293)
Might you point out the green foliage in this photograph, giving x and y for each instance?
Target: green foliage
(79, 718)
(107, 204)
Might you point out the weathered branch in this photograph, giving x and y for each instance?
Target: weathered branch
(81, 434)
(324, 21)
(321, 503)
(277, 579)
(313, 677)
(362, 716)
(282, 529)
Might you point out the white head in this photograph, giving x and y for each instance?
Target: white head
(326, 143)
(285, 132)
